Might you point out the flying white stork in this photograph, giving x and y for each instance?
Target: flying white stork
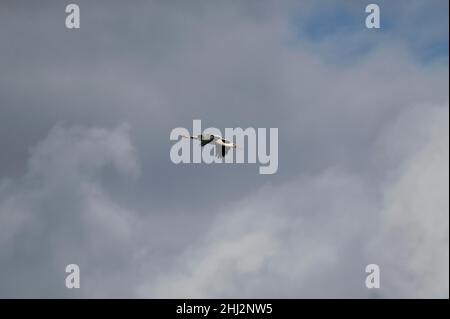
(222, 145)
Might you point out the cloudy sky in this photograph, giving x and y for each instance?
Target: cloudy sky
(86, 177)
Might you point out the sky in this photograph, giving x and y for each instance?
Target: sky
(363, 150)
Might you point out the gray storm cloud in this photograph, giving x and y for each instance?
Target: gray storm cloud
(290, 240)
(296, 236)
(62, 204)
(363, 150)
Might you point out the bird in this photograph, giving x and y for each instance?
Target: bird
(222, 145)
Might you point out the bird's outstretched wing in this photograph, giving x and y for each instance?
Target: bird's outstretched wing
(221, 150)
(206, 139)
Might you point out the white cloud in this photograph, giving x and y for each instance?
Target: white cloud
(413, 244)
(313, 237)
(351, 189)
(61, 208)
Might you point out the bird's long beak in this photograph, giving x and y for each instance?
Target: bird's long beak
(237, 147)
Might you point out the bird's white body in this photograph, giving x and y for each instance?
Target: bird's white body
(222, 145)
